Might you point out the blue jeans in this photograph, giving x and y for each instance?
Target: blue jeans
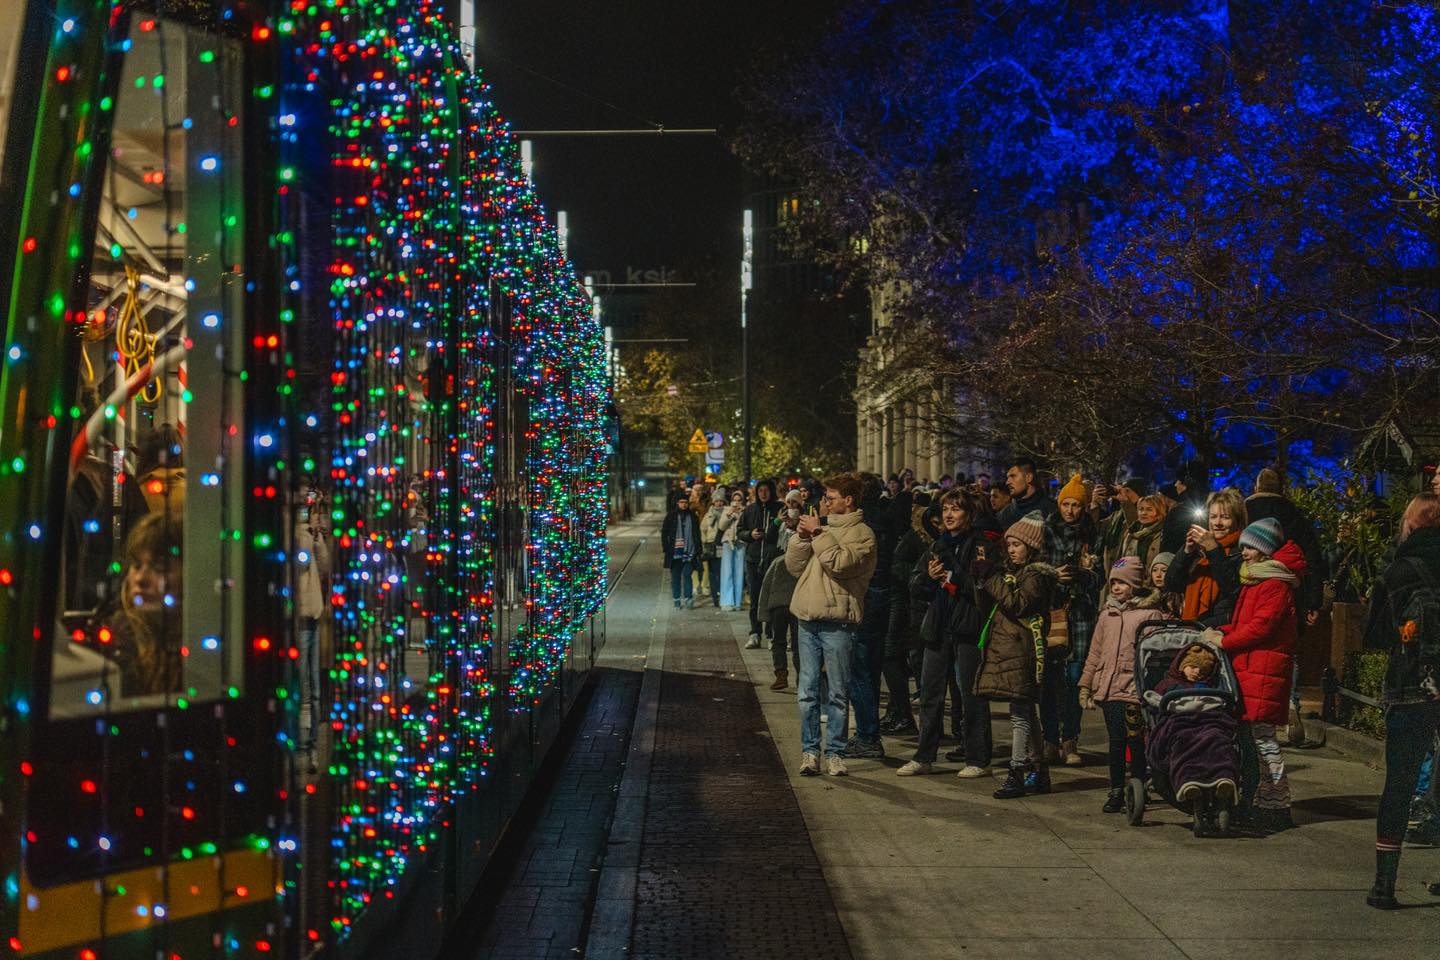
(866, 660)
(310, 676)
(732, 574)
(1060, 701)
(824, 643)
(680, 573)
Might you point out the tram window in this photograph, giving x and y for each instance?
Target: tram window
(150, 585)
(12, 16)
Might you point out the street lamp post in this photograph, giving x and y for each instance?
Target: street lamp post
(747, 281)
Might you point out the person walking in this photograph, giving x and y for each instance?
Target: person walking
(732, 550)
(955, 613)
(832, 556)
(754, 528)
(1012, 667)
(680, 539)
(1404, 622)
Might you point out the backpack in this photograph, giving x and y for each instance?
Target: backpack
(1414, 670)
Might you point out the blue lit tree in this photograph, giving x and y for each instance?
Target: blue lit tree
(1205, 225)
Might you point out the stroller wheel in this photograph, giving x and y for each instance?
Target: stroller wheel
(1135, 801)
(1222, 821)
(1198, 826)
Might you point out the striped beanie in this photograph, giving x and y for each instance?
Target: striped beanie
(1029, 530)
(1265, 535)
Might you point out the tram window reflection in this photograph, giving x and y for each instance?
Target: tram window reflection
(150, 496)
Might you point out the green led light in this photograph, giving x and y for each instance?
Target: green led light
(207, 56)
(106, 103)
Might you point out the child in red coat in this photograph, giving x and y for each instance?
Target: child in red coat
(1260, 639)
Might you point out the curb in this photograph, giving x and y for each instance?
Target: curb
(1349, 744)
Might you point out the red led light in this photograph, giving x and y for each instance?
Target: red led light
(88, 786)
(29, 245)
(62, 74)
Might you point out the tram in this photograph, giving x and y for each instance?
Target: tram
(303, 478)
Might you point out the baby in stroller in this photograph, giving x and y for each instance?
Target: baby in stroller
(1192, 746)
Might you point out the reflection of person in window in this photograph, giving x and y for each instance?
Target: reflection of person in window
(312, 565)
(160, 467)
(143, 625)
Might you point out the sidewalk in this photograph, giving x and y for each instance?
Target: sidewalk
(934, 867)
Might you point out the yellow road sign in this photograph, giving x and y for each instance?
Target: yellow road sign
(698, 443)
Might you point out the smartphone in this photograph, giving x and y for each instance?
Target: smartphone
(825, 521)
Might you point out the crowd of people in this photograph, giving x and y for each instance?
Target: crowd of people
(1030, 596)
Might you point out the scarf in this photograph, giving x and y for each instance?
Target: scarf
(1253, 573)
(1203, 589)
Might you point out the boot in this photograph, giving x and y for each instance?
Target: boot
(1070, 750)
(1051, 754)
(1038, 780)
(1014, 785)
(1115, 801)
(1382, 895)
(782, 680)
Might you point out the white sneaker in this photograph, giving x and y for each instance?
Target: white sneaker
(972, 772)
(913, 769)
(835, 766)
(753, 643)
(809, 765)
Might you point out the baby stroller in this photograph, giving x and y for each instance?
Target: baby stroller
(1209, 713)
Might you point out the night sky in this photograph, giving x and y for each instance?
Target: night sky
(644, 202)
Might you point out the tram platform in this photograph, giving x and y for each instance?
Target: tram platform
(676, 825)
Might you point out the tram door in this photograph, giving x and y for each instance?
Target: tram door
(149, 777)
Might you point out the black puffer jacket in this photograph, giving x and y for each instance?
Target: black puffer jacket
(958, 615)
(1417, 560)
(1297, 527)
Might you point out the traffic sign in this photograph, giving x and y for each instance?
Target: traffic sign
(698, 443)
(716, 439)
(714, 457)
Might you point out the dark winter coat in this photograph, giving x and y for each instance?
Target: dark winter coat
(757, 516)
(1180, 517)
(1221, 565)
(1260, 640)
(1300, 529)
(1017, 508)
(1014, 645)
(906, 613)
(1065, 543)
(1388, 600)
(676, 524)
(952, 612)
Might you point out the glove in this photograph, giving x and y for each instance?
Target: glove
(980, 570)
(1211, 635)
(1087, 699)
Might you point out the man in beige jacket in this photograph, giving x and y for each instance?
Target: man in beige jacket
(833, 556)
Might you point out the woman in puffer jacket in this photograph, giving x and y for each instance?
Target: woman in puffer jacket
(1014, 648)
(1260, 640)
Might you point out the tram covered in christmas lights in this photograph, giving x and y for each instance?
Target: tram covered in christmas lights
(303, 473)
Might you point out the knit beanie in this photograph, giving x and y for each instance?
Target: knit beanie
(1265, 535)
(1076, 489)
(1166, 558)
(1029, 530)
(1137, 486)
(1200, 657)
(1128, 570)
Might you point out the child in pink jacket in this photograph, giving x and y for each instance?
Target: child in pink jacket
(1109, 675)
